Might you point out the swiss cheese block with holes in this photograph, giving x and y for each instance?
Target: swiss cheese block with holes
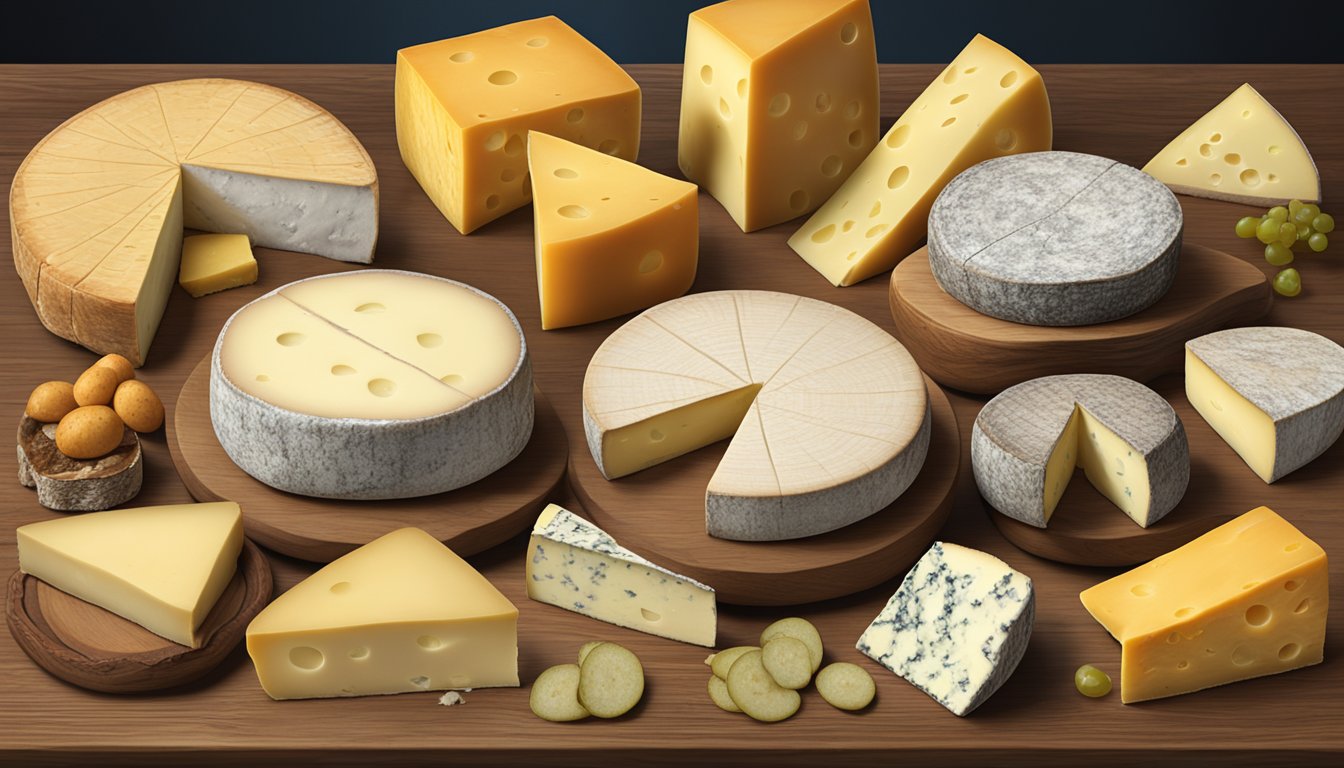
(1055, 238)
(1243, 151)
(464, 107)
(363, 385)
(779, 103)
(97, 208)
(1276, 395)
(611, 237)
(987, 103)
(828, 414)
(1028, 440)
(400, 614)
(1247, 599)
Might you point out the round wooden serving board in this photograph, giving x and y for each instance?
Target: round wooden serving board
(660, 513)
(469, 520)
(966, 350)
(96, 649)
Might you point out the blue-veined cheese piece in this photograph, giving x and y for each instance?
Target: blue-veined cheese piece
(957, 626)
(575, 565)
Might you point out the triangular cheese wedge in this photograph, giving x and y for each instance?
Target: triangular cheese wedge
(1242, 151)
(400, 614)
(161, 567)
(612, 237)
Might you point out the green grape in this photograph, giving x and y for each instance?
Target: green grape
(1278, 254)
(1288, 282)
(1293, 206)
(1246, 226)
(1091, 682)
(1318, 242)
(1288, 233)
(1310, 211)
(1278, 212)
(1303, 232)
(1267, 231)
(1324, 223)
(1304, 215)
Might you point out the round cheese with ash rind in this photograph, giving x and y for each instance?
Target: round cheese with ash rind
(1055, 239)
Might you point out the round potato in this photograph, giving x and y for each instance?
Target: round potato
(846, 686)
(88, 432)
(718, 692)
(119, 365)
(752, 689)
(799, 629)
(788, 661)
(96, 386)
(138, 406)
(555, 695)
(611, 681)
(50, 401)
(722, 661)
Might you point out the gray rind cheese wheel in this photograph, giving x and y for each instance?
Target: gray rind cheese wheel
(1055, 239)
(1027, 440)
(77, 485)
(1294, 378)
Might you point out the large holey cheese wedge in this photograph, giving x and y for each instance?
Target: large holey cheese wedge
(97, 208)
(1028, 440)
(377, 384)
(779, 103)
(1243, 151)
(987, 103)
(1247, 599)
(464, 107)
(400, 614)
(1276, 395)
(829, 415)
(160, 567)
(611, 237)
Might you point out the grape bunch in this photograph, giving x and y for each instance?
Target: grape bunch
(1280, 229)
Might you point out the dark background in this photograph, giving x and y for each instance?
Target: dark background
(639, 31)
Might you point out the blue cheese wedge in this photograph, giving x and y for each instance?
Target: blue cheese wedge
(957, 626)
(575, 565)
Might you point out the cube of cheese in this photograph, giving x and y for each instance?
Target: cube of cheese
(779, 103)
(464, 107)
(212, 263)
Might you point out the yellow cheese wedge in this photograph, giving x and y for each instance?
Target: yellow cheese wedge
(212, 263)
(1242, 150)
(464, 107)
(400, 614)
(1247, 599)
(986, 104)
(160, 567)
(612, 237)
(779, 103)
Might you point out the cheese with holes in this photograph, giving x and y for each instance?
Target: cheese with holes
(575, 565)
(611, 237)
(363, 385)
(212, 263)
(97, 208)
(957, 626)
(986, 104)
(1276, 395)
(1028, 440)
(464, 107)
(1243, 151)
(828, 414)
(398, 615)
(1055, 238)
(160, 567)
(779, 103)
(1247, 599)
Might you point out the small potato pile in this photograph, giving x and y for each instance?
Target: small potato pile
(91, 414)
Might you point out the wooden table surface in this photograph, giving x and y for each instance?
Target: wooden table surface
(1123, 112)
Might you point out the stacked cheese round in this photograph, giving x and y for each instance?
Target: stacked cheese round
(377, 384)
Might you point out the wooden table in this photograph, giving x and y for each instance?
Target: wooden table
(1124, 112)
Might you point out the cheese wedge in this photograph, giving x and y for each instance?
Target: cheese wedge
(464, 107)
(212, 263)
(1243, 151)
(612, 237)
(400, 614)
(779, 103)
(160, 567)
(575, 565)
(97, 208)
(1247, 599)
(987, 103)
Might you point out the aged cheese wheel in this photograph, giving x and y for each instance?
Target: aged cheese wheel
(77, 485)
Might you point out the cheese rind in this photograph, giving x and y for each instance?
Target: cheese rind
(575, 565)
(212, 263)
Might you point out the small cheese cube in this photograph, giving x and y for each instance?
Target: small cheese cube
(212, 263)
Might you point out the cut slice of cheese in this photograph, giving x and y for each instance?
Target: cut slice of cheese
(829, 415)
(779, 103)
(400, 614)
(97, 208)
(1242, 150)
(611, 237)
(212, 263)
(464, 107)
(987, 103)
(1247, 599)
(160, 567)
(1276, 395)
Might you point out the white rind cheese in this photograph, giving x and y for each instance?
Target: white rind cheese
(957, 626)
(575, 565)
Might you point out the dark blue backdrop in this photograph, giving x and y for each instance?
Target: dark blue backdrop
(291, 31)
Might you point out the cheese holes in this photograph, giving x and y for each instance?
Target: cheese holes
(849, 33)
(1258, 615)
(650, 262)
(263, 377)
(1005, 139)
(1173, 638)
(1274, 149)
(950, 76)
(491, 202)
(574, 115)
(856, 138)
(1183, 612)
(495, 141)
(800, 130)
(853, 109)
(1242, 657)
(831, 166)
(340, 587)
(1182, 162)
(1215, 179)
(609, 146)
(506, 175)
(537, 42)
(960, 98)
(852, 256)
(1232, 158)
(1182, 665)
(898, 137)
(742, 88)
(875, 210)
(573, 212)
(1272, 178)
(824, 234)
(306, 657)
(823, 102)
(798, 200)
(1303, 606)
(371, 306)
(341, 370)
(657, 435)
(875, 231)
(898, 177)
(503, 77)
(429, 340)
(1291, 585)
(1296, 545)
(514, 146)
(1250, 177)
(359, 653)
(949, 121)
(1007, 80)
(291, 339)
(462, 57)
(1215, 138)
(650, 616)
(725, 109)
(1141, 590)
(429, 642)
(1245, 113)
(382, 387)
(848, 225)
(971, 70)
(1289, 652)
(452, 379)
(779, 104)
(1205, 150)
(707, 74)
(566, 173)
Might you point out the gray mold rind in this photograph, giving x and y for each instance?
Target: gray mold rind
(88, 494)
